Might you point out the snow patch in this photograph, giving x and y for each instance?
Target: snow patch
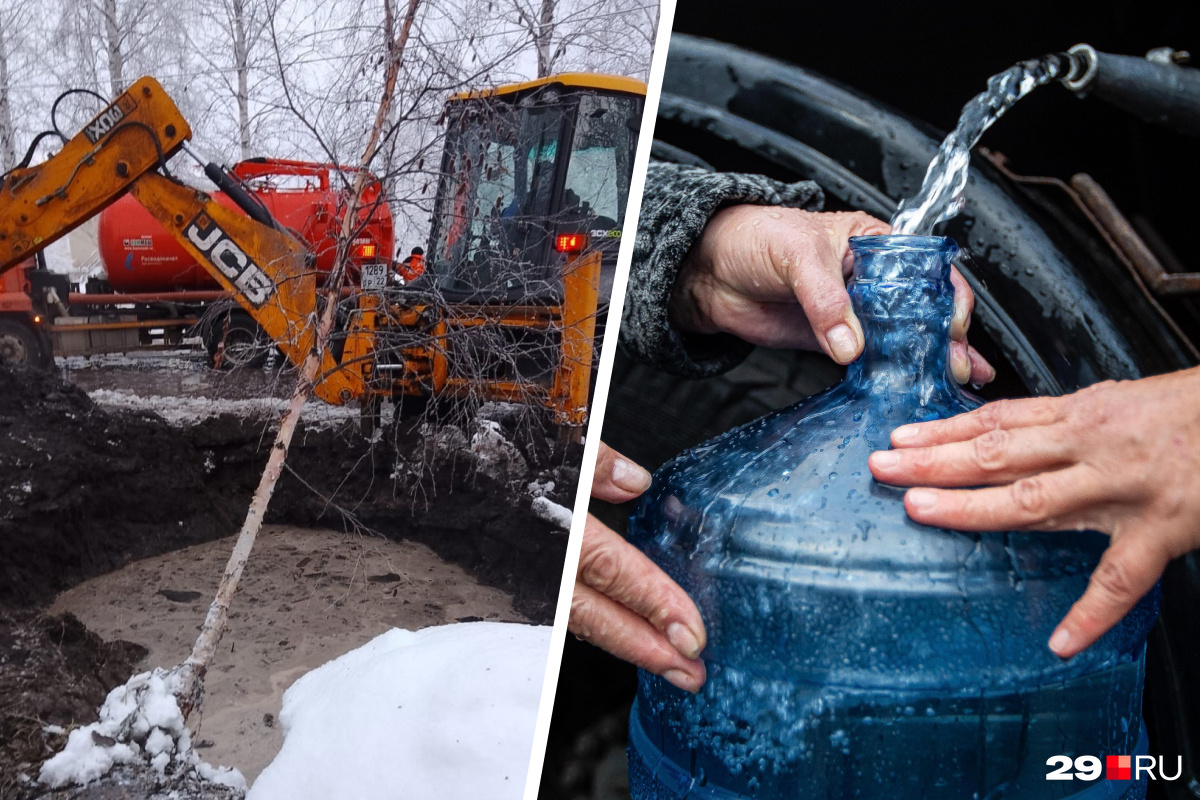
(489, 451)
(139, 720)
(504, 413)
(179, 360)
(184, 411)
(445, 712)
(552, 512)
(495, 456)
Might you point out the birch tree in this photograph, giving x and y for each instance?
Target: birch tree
(587, 35)
(229, 41)
(18, 35)
(8, 134)
(104, 45)
(539, 24)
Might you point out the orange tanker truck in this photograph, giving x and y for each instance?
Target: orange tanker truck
(154, 293)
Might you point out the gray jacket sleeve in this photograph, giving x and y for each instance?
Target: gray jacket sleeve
(677, 204)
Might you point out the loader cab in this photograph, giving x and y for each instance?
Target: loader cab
(531, 174)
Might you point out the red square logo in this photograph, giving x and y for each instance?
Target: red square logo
(1117, 768)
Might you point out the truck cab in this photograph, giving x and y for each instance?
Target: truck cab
(523, 245)
(23, 342)
(533, 174)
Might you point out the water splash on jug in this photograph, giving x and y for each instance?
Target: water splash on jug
(941, 196)
(852, 652)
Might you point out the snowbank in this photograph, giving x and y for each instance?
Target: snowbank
(445, 713)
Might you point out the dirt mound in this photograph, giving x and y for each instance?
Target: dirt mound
(84, 490)
(54, 672)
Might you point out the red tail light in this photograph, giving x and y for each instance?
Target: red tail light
(367, 250)
(570, 242)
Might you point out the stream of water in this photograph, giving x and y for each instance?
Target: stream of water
(941, 196)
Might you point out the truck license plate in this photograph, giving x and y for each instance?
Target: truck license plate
(374, 277)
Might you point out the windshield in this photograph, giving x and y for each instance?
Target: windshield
(506, 192)
(601, 165)
(495, 214)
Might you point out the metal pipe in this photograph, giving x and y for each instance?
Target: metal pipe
(253, 207)
(1156, 88)
(83, 299)
(120, 326)
(1126, 237)
(140, 298)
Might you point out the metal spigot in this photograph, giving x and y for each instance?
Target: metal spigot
(1157, 88)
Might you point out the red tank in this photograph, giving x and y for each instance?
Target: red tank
(140, 256)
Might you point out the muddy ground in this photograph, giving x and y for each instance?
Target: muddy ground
(307, 597)
(85, 491)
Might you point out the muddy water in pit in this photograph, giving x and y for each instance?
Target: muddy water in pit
(307, 596)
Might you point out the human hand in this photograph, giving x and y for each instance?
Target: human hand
(1120, 458)
(623, 602)
(777, 277)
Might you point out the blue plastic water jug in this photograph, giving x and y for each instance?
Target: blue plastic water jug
(853, 653)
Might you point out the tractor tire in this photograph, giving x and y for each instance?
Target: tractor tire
(246, 345)
(653, 415)
(21, 347)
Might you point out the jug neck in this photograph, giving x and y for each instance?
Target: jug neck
(904, 299)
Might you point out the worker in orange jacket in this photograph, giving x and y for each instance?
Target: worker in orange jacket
(412, 267)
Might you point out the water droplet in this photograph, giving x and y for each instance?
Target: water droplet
(832, 476)
(773, 493)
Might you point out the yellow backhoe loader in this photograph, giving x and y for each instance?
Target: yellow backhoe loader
(527, 216)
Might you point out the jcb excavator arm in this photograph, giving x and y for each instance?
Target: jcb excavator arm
(262, 266)
(136, 133)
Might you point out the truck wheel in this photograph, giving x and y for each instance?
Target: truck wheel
(20, 345)
(238, 343)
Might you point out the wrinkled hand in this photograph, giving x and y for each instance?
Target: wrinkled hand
(623, 602)
(1120, 458)
(777, 277)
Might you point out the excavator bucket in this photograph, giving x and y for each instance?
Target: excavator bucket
(263, 268)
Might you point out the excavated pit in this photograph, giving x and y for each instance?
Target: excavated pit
(85, 490)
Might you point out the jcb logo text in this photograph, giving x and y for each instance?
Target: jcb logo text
(226, 256)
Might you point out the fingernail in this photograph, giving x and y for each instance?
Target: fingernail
(680, 679)
(629, 476)
(842, 343)
(1059, 641)
(960, 363)
(958, 324)
(922, 498)
(905, 434)
(884, 459)
(683, 640)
